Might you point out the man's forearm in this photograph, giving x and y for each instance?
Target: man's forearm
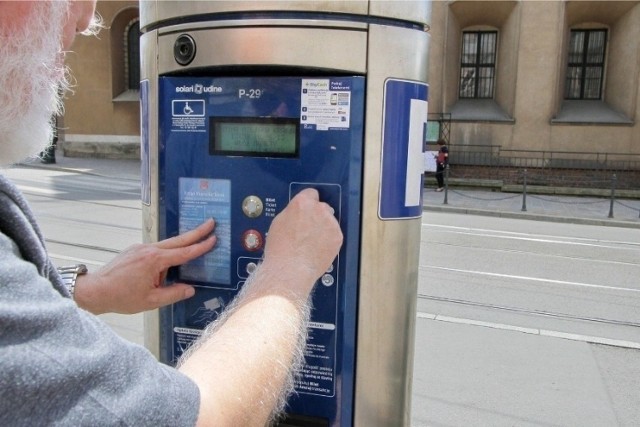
(245, 363)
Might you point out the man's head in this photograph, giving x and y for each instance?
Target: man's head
(33, 37)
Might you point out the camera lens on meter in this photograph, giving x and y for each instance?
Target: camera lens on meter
(184, 49)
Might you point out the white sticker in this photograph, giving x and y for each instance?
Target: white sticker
(323, 106)
(415, 165)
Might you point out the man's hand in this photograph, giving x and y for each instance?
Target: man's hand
(132, 281)
(304, 239)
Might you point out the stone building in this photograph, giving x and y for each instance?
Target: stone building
(512, 83)
(538, 83)
(102, 114)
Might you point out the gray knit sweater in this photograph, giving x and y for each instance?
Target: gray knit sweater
(60, 365)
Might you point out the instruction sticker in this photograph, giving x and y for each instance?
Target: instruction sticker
(188, 115)
(201, 199)
(325, 104)
(318, 375)
(182, 339)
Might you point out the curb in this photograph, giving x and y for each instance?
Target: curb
(121, 150)
(535, 217)
(58, 167)
(533, 331)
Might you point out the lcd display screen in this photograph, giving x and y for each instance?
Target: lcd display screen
(254, 136)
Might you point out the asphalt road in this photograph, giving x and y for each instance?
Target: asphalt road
(519, 322)
(570, 278)
(526, 323)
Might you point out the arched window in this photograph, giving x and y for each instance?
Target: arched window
(132, 60)
(478, 64)
(124, 32)
(585, 70)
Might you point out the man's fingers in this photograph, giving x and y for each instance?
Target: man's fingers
(188, 238)
(181, 255)
(310, 192)
(166, 295)
(329, 208)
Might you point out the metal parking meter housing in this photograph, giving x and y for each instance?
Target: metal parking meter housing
(372, 55)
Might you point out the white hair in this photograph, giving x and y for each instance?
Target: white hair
(32, 80)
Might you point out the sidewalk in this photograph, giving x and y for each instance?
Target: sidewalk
(571, 209)
(493, 377)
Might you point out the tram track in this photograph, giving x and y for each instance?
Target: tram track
(76, 199)
(83, 221)
(541, 254)
(82, 246)
(542, 313)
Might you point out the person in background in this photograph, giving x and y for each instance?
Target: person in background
(442, 160)
(60, 364)
(48, 156)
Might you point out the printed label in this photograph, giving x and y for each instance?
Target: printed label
(318, 374)
(188, 115)
(325, 104)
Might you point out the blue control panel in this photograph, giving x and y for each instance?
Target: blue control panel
(237, 150)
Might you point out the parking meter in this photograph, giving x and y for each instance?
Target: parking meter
(245, 104)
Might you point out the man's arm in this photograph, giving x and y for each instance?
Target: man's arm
(244, 364)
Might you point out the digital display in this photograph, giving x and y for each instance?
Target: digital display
(254, 136)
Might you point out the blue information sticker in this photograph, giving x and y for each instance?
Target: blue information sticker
(201, 199)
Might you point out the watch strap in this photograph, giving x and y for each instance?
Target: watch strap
(69, 275)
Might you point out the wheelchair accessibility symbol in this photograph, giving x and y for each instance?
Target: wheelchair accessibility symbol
(187, 108)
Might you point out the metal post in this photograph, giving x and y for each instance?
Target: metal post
(446, 184)
(524, 191)
(614, 178)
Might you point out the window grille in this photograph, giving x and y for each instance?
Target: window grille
(478, 64)
(133, 55)
(585, 70)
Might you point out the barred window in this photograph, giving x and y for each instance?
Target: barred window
(585, 70)
(132, 44)
(478, 64)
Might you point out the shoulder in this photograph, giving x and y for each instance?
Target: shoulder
(43, 332)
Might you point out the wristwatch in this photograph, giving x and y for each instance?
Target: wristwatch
(70, 274)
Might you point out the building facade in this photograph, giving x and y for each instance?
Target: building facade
(508, 79)
(102, 114)
(530, 79)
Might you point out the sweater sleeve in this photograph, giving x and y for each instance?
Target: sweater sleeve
(63, 366)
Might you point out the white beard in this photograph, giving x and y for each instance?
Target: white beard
(31, 80)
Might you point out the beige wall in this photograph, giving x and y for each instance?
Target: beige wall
(538, 74)
(98, 113)
(531, 62)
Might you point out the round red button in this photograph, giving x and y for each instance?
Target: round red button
(252, 240)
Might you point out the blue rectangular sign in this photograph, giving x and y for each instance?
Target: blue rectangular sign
(404, 124)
